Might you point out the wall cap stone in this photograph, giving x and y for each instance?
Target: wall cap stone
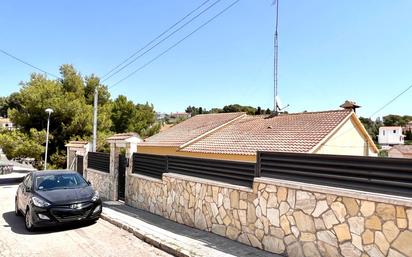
(98, 172)
(363, 195)
(207, 181)
(141, 176)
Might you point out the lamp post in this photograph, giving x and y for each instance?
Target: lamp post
(49, 111)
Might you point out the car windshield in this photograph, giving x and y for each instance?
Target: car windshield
(59, 181)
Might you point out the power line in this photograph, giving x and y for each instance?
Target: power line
(176, 44)
(384, 106)
(161, 41)
(153, 40)
(28, 64)
(391, 101)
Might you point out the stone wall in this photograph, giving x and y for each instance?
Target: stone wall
(288, 218)
(101, 182)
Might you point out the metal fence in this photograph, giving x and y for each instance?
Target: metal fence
(149, 164)
(233, 172)
(382, 175)
(99, 161)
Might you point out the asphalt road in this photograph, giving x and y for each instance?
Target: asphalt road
(99, 239)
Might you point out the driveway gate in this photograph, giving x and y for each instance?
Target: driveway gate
(79, 166)
(122, 176)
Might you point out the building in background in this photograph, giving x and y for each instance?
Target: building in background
(5, 123)
(390, 136)
(400, 151)
(237, 136)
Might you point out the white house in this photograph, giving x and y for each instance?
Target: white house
(390, 135)
(5, 123)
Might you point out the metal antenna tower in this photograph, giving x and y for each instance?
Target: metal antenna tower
(275, 59)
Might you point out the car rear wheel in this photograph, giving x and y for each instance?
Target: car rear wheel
(16, 208)
(28, 220)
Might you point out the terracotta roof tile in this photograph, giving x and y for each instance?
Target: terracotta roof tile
(123, 136)
(77, 143)
(404, 149)
(190, 129)
(284, 133)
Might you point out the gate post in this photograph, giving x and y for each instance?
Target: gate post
(114, 169)
(131, 148)
(73, 149)
(129, 142)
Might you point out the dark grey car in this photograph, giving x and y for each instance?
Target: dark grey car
(48, 198)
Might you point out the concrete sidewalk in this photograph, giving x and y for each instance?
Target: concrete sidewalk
(175, 238)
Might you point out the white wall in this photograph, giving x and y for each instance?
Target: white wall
(348, 140)
(390, 136)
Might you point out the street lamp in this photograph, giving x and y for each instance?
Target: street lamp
(49, 111)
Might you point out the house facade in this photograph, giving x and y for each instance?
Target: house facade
(390, 136)
(237, 136)
(5, 123)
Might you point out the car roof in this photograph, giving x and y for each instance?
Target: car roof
(53, 172)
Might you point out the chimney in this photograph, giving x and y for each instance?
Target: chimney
(350, 105)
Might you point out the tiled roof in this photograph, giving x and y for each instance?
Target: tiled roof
(123, 136)
(404, 149)
(285, 133)
(190, 129)
(76, 143)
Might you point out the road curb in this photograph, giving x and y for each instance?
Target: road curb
(175, 251)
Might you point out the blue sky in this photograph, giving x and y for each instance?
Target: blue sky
(330, 51)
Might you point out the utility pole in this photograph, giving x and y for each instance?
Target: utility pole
(49, 111)
(275, 60)
(96, 95)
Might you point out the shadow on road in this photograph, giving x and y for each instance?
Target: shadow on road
(16, 223)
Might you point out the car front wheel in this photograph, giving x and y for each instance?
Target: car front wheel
(28, 220)
(16, 208)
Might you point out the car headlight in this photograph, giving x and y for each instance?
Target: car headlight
(39, 202)
(95, 196)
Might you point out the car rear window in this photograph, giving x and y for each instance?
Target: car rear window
(59, 181)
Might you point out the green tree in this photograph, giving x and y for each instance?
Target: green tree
(71, 97)
(122, 110)
(372, 127)
(9, 102)
(3, 107)
(72, 80)
(16, 144)
(195, 110)
(91, 82)
(72, 111)
(216, 110)
(396, 120)
(128, 117)
(143, 119)
(239, 108)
